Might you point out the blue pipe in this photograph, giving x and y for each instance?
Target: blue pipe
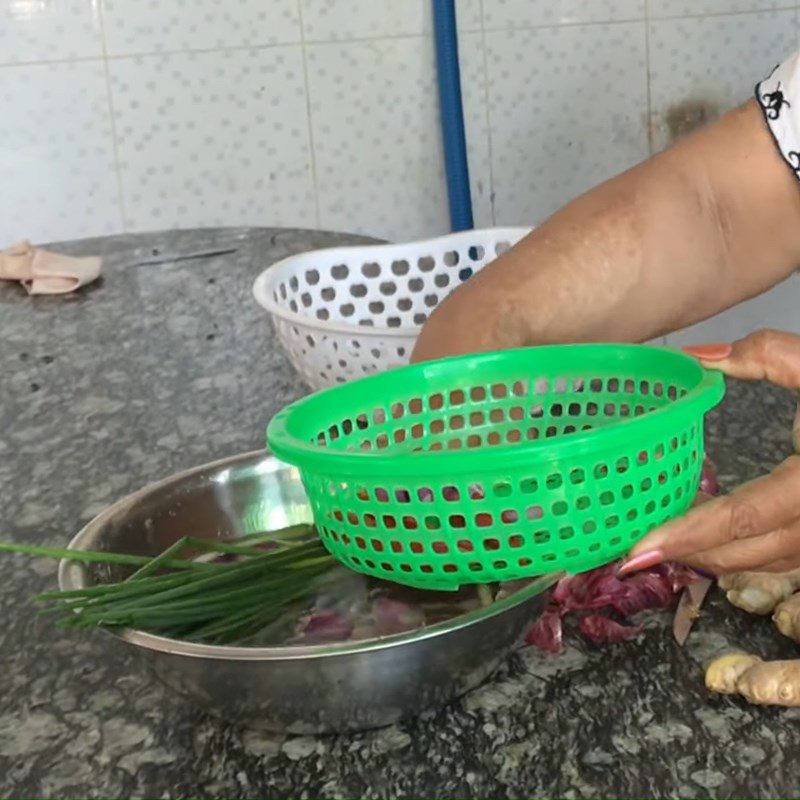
(452, 115)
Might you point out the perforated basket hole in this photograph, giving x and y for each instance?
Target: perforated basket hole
(534, 512)
(371, 269)
(477, 418)
(554, 481)
(451, 494)
(501, 489)
(566, 532)
(477, 394)
(451, 258)
(400, 267)
(577, 476)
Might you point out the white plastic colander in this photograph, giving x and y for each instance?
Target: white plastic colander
(345, 312)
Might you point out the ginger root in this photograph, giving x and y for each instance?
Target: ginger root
(787, 617)
(723, 673)
(759, 592)
(759, 682)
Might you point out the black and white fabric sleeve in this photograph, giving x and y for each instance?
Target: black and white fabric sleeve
(779, 98)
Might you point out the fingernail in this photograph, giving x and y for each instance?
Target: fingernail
(644, 560)
(709, 352)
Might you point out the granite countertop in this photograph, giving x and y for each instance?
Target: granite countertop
(165, 366)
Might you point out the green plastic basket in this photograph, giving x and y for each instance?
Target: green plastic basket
(503, 465)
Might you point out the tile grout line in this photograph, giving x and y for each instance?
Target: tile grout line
(649, 119)
(312, 153)
(371, 39)
(488, 118)
(112, 120)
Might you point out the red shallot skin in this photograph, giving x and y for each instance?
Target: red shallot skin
(599, 629)
(600, 589)
(323, 626)
(451, 494)
(476, 491)
(395, 616)
(546, 634)
(644, 590)
(708, 479)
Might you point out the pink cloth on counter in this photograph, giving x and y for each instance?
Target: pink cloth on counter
(43, 272)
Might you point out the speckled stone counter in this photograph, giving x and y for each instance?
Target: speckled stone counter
(164, 366)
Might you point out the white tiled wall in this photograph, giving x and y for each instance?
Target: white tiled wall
(567, 110)
(141, 114)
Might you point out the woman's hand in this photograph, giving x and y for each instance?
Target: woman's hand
(756, 527)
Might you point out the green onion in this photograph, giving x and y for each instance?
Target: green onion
(195, 600)
(93, 556)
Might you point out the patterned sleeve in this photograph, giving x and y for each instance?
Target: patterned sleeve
(779, 98)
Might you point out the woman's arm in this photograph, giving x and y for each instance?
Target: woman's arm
(684, 235)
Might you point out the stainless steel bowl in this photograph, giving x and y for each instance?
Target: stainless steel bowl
(311, 689)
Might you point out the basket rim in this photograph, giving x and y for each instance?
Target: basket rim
(266, 280)
(706, 394)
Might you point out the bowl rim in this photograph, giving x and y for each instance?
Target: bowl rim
(263, 284)
(165, 645)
